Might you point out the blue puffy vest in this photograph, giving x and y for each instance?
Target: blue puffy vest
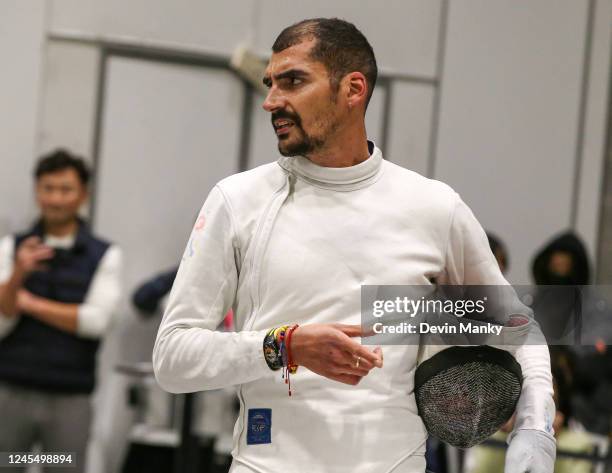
(37, 355)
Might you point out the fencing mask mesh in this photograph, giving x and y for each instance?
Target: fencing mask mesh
(465, 394)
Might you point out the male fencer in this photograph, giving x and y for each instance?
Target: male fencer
(289, 244)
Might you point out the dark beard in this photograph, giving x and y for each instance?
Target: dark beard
(303, 147)
(299, 148)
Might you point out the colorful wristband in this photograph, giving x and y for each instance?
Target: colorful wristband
(272, 347)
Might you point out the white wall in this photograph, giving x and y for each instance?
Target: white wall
(509, 118)
(412, 109)
(21, 43)
(510, 91)
(68, 97)
(595, 131)
(213, 25)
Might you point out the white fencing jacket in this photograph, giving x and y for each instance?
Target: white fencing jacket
(292, 242)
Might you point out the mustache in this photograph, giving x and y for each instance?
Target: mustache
(285, 114)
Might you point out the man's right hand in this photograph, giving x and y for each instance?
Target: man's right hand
(330, 351)
(30, 255)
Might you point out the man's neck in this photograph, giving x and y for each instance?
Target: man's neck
(345, 151)
(61, 229)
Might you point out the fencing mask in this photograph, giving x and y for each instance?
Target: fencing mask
(464, 394)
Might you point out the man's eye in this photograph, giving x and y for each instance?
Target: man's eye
(292, 81)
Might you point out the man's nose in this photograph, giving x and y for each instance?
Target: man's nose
(55, 197)
(273, 101)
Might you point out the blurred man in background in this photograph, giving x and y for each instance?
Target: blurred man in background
(59, 286)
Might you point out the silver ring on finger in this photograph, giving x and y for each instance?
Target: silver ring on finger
(357, 362)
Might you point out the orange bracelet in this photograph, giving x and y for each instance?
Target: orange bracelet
(291, 367)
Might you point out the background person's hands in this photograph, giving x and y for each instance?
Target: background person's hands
(329, 350)
(31, 254)
(26, 301)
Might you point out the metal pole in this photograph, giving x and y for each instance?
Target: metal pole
(186, 453)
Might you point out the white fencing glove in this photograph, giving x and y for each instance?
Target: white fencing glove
(531, 451)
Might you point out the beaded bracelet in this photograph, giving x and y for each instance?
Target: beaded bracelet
(290, 366)
(272, 347)
(277, 351)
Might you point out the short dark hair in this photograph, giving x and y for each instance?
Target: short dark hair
(59, 160)
(340, 46)
(496, 245)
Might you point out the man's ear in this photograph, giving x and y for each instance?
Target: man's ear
(356, 89)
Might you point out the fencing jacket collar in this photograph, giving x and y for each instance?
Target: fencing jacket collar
(343, 179)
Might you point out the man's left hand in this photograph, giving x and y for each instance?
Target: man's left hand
(531, 451)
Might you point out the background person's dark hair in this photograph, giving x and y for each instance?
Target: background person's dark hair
(60, 160)
(499, 250)
(340, 46)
